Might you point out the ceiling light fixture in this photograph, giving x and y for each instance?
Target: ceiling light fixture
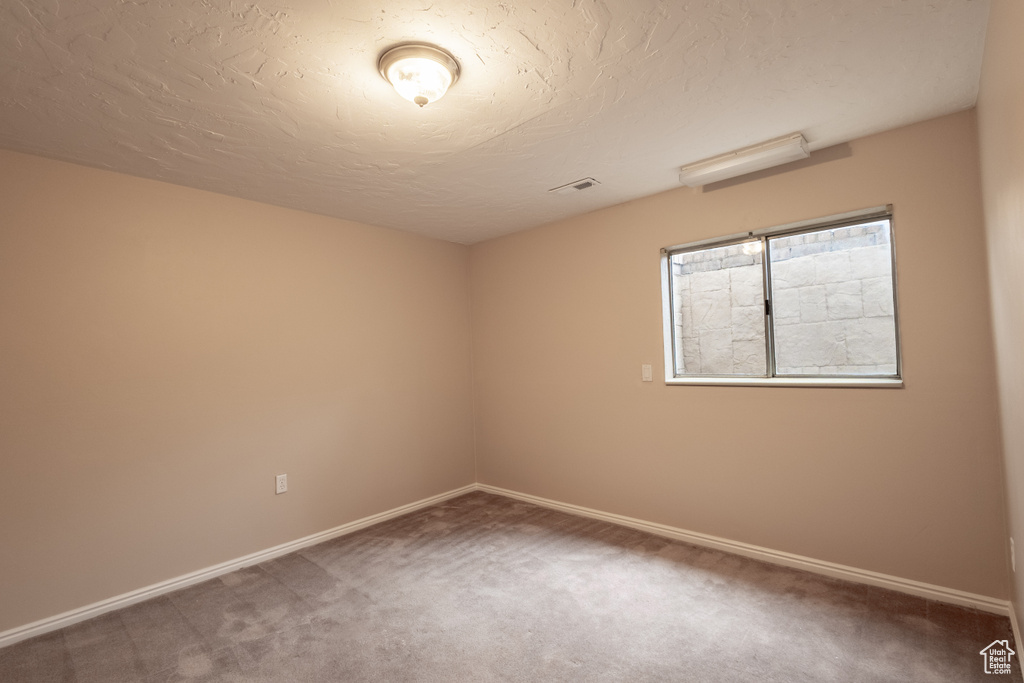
(420, 73)
(747, 160)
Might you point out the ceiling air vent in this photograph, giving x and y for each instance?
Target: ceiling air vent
(575, 186)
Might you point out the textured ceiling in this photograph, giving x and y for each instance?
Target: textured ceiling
(280, 100)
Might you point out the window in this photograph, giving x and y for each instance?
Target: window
(806, 304)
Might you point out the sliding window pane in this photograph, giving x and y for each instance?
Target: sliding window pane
(832, 302)
(718, 311)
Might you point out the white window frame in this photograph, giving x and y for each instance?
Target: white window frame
(835, 221)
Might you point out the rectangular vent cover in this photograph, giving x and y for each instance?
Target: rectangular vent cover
(575, 186)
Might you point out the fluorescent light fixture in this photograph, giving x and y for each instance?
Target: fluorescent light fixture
(747, 160)
(420, 73)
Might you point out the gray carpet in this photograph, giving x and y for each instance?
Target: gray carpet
(483, 588)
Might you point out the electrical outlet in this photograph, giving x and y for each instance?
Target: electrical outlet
(282, 483)
(1013, 557)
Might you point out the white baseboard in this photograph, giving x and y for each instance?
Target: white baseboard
(839, 571)
(1014, 624)
(924, 590)
(124, 600)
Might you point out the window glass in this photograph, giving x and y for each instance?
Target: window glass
(832, 301)
(719, 304)
(811, 300)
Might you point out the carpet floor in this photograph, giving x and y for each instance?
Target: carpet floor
(484, 588)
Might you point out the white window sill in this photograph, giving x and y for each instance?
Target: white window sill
(848, 382)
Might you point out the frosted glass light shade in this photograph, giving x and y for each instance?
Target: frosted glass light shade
(420, 73)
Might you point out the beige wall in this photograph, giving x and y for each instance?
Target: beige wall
(905, 482)
(1001, 131)
(164, 352)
